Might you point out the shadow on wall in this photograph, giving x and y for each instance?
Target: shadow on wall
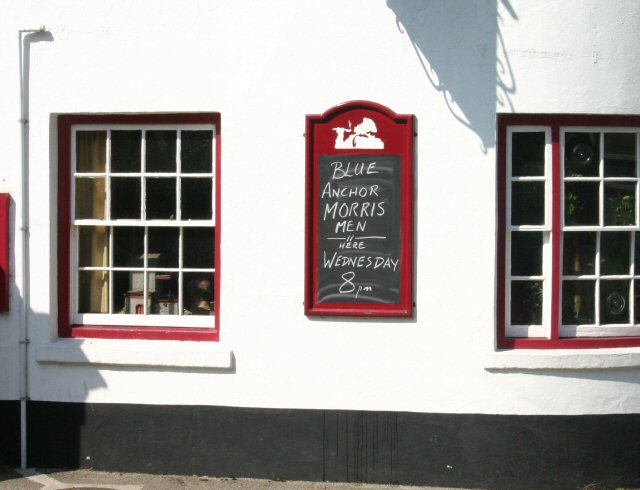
(461, 50)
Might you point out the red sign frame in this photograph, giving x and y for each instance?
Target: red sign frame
(382, 133)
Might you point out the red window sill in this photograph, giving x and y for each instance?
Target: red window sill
(142, 333)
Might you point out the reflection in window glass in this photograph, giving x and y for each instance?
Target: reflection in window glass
(526, 253)
(164, 242)
(126, 149)
(93, 292)
(161, 151)
(91, 198)
(619, 203)
(578, 302)
(527, 203)
(197, 196)
(578, 253)
(620, 155)
(93, 246)
(582, 154)
(614, 252)
(526, 303)
(528, 154)
(161, 198)
(198, 291)
(614, 302)
(198, 248)
(91, 151)
(581, 203)
(196, 152)
(125, 198)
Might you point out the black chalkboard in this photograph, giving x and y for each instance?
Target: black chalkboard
(359, 204)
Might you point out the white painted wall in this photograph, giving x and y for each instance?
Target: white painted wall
(263, 66)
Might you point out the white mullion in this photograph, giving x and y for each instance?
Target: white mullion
(143, 180)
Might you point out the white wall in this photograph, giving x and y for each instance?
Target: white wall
(263, 66)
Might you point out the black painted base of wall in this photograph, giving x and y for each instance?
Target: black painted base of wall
(9, 432)
(483, 451)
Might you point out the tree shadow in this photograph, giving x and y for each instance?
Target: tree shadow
(462, 53)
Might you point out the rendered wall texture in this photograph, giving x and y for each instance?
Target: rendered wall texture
(263, 66)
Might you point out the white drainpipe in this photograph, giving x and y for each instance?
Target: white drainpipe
(23, 227)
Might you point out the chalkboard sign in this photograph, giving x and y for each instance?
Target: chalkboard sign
(359, 247)
(359, 229)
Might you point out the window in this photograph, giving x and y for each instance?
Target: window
(138, 237)
(569, 231)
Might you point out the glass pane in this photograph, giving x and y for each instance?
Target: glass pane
(128, 246)
(578, 253)
(620, 155)
(91, 198)
(636, 261)
(577, 302)
(164, 243)
(527, 203)
(125, 198)
(198, 248)
(164, 285)
(619, 203)
(161, 198)
(527, 154)
(581, 203)
(91, 151)
(93, 292)
(614, 252)
(197, 198)
(93, 246)
(196, 151)
(636, 315)
(582, 154)
(126, 148)
(526, 303)
(526, 253)
(198, 293)
(161, 151)
(614, 302)
(125, 300)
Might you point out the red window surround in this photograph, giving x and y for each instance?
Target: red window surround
(4, 251)
(556, 227)
(66, 325)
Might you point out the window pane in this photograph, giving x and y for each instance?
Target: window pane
(581, 203)
(196, 151)
(614, 252)
(161, 198)
(527, 154)
(125, 198)
(526, 303)
(124, 299)
(91, 151)
(164, 241)
(198, 292)
(578, 253)
(93, 246)
(582, 154)
(161, 151)
(577, 302)
(197, 195)
(198, 248)
(527, 203)
(614, 302)
(93, 292)
(126, 151)
(91, 198)
(620, 155)
(164, 285)
(128, 246)
(619, 203)
(526, 253)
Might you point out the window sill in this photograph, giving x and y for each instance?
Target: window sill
(161, 354)
(536, 360)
